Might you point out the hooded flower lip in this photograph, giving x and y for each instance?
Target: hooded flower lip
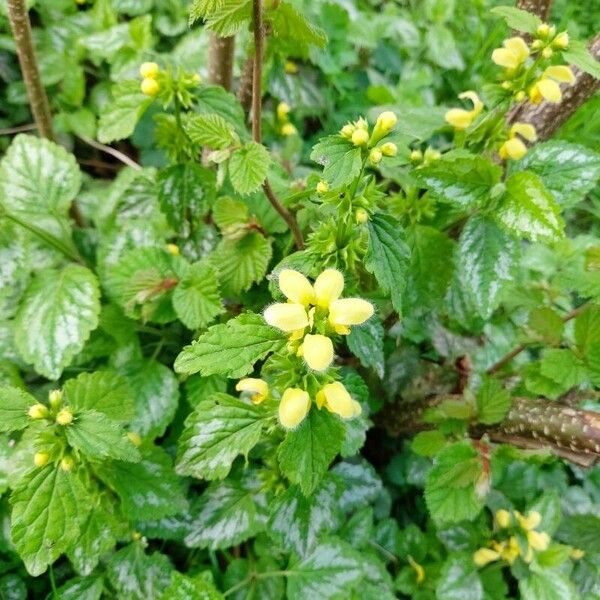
(287, 317)
(461, 118)
(293, 408)
(513, 53)
(350, 311)
(329, 286)
(257, 387)
(296, 287)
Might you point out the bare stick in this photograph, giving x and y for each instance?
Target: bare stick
(244, 93)
(259, 39)
(112, 151)
(220, 60)
(18, 129)
(21, 28)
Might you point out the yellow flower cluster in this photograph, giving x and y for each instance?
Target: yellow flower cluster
(149, 72)
(460, 118)
(305, 302)
(547, 87)
(524, 541)
(514, 147)
(285, 126)
(358, 134)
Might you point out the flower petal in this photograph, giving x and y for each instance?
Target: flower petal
(287, 317)
(350, 311)
(328, 287)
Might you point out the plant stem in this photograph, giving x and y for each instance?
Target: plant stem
(21, 28)
(220, 60)
(55, 593)
(112, 151)
(259, 39)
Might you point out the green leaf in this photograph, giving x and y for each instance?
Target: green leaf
(388, 256)
(82, 588)
(196, 299)
(493, 402)
(214, 99)
(428, 443)
(529, 210)
(229, 513)
(230, 349)
(226, 19)
(450, 491)
(341, 160)
(98, 437)
(156, 393)
(210, 130)
(569, 171)
(329, 571)
(518, 19)
(459, 580)
(188, 588)
(200, 9)
(292, 26)
(366, 343)
(547, 585)
(581, 531)
(485, 261)
(120, 116)
(14, 404)
(579, 55)
(564, 367)
(38, 182)
(241, 262)
(547, 324)
(49, 507)
(185, 193)
(43, 334)
(220, 428)
(104, 391)
(136, 575)
(248, 167)
(360, 484)
(442, 48)
(306, 453)
(296, 520)
(148, 489)
(460, 178)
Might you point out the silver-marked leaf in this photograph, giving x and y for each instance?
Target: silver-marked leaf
(58, 312)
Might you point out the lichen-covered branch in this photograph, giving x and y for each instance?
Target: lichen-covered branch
(21, 29)
(220, 60)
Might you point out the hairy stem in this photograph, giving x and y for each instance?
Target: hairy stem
(259, 41)
(220, 60)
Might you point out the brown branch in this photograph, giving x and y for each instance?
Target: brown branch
(112, 151)
(547, 117)
(259, 40)
(38, 100)
(518, 349)
(541, 8)
(244, 93)
(220, 60)
(18, 129)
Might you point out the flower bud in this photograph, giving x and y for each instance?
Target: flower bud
(196, 78)
(288, 129)
(577, 554)
(336, 399)
(547, 52)
(503, 518)
(350, 311)
(520, 96)
(38, 411)
(484, 556)
(173, 249)
(257, 387)
(543, 30)
(293, 408)
(536, 44)
(360, 137)
(149, 87)
(375, 156)
(386, 121)
(287, 317)
(416, 156)
(296, 287)
(40, 459)
(149, 70)
(283, 109)
(389, 149)
(561, 41)
(55, 398)
(67, 463)
(291, 68)
(531, 521)
(328, 287)
(64, 417)
(512, 148)
(361, 123)
(317, 351)
(347, 130)
(134, 438)
(361, 216)
(538, 540)
(322, 187)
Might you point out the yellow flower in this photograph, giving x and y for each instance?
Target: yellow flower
(560, 73)
(510, 551)
(294, 406)
(525, 130)
(538, 540)
(288, 129)
(317, 351)
(287, 317)
(283, 108)
(336, 399)
(328, 287)
(40, 459)
(290, 67)
(503, 518)
(257, 387)
(545, 89)
(350, 311)
(512, 148)
(389, 149)
(38, 411)
(543, 30)
(531, 521)
(386, 121)
(149, 87)
(134, 438)
(296, 287)
(347, 130)
(360, 137)
(514, 53)
(322, 187)
(484, 556)
(149, 70)
(460, 118)
(173, 249)
(577, 554)
(64, 417)
(547, 52)
(419, 570)
(375, 156)
(361, 123)
(561, 41)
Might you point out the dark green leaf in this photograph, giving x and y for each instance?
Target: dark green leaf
(341, 160)
(14, 404)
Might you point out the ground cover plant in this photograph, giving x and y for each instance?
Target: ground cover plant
(299, 300)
